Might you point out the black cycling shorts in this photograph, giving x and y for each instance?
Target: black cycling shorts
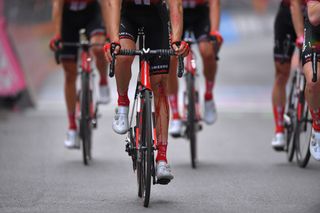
(311, 38)
(197, 20)
(155, 21)
(284, 30)
(72, 21)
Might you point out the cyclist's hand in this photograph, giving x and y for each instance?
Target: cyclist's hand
(299, 41)
(110, 48)
(217, 39)
(54, 43)
(181, 48)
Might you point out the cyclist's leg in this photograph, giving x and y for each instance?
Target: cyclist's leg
(68, 57)
(312, 91)
(173, 97)
(159, 68)
(283, 29)
(70, 73)
(96, 32)
(173, 88)
(201, 31)
(99, 56)
(279, 94)
(128, 35)
(123, 75)
(101, 67)
(159, 87)
(209, 70)
(159, 84)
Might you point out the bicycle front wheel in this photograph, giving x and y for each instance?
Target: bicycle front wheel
(85, 120)
(291, 113)
(303, 133)
(146, 156)
(191, 119)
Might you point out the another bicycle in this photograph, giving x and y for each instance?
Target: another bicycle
(304, 128)
(191, 105)
(87, 104)
(141, 141)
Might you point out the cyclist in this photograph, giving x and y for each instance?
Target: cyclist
(153, 16)
(312, 39)
(288, 25)
(203, 18)
(69, 16)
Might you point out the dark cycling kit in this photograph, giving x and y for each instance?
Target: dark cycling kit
(153, 16)
(196, 18)
(312, 39)
(283, 28)
(78, 14)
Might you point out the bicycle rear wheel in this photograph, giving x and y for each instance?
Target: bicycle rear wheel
(85, 120)
(303, 133)
(146, 158)
(191, 119)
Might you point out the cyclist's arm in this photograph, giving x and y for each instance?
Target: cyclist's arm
(104, 13)
(112, 18)
(57, 7)
(297, 18)
(214, 7)
(314, 12)
(176, 18)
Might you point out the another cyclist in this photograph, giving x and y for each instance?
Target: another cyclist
(312, 43)
(69, 16)
(288, 25)
(152, 15)
(202, 17)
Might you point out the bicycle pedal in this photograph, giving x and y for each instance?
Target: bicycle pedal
(163, 181)
(287, 120)
(94, 123)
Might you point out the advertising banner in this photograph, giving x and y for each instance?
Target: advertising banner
(11, 75)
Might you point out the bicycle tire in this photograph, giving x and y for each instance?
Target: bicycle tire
(147, 142)
(303, 133)
(191, 126)
(291, 128)
(139, 177)
(85, 121)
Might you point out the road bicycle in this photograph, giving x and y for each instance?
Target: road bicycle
(298, 121)
(304, 127)
(290, 115)
(87, 104)
(141, 141)
(191, 104)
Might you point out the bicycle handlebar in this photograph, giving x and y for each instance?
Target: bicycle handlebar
(148, 52)
(84, 45)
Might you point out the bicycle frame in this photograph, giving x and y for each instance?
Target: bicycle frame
(190, 68)
(87, 107)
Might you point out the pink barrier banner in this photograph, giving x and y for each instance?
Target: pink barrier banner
(11, 75)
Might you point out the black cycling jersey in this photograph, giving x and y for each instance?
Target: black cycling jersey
(155, 21)
(74, 20)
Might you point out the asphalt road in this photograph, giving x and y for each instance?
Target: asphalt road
(238, 171)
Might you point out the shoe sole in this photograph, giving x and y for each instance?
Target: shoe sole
(278, 148)
(72, 147)
(175, 135)
(163, 181)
